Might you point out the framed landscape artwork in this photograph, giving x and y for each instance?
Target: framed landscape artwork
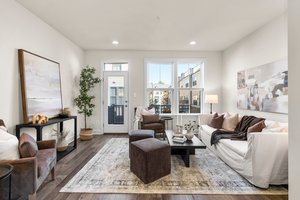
(264, 88)
(40, 85)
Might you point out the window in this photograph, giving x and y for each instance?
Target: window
(159, 86)
(175, 87)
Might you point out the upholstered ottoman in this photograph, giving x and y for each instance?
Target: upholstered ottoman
(151, 159)
(139, 135)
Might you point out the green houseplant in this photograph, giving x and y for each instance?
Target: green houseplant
(84, 100)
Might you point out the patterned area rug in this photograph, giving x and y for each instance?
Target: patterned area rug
(108, 172)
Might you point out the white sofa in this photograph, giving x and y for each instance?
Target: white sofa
(262, 159)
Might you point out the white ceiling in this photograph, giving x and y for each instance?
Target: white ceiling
(156, 24)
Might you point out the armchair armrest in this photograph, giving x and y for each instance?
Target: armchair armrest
(24, 175)
(46, 144)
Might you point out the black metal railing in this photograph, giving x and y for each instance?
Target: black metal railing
(116, 114)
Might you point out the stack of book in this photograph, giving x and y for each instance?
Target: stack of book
(179, 139)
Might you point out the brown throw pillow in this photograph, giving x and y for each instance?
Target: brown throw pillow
(258, 127)
(150, 119)
(216, 121)
(27, 146)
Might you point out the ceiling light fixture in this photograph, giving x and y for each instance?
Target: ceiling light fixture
(115, 42)
(193, 42)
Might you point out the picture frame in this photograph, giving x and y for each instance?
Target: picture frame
(264, 88)
(40, 85)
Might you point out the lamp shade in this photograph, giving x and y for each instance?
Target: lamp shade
(211, 98)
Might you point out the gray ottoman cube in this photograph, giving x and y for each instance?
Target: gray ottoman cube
(139, 135)
(151, 159)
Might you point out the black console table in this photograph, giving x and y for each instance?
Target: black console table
(39, 132)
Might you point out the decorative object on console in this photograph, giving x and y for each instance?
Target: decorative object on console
(66, 113)
(264, 88)
(84, 100)
(211, 99)
(62, 143)
(39, 119)
(40, 85)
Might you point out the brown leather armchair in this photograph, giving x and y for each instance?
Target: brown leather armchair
(153, 122)
(29, 173)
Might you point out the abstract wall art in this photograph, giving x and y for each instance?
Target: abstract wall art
(264, 88)
(40, 85)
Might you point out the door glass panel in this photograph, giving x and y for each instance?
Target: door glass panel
(115, 99)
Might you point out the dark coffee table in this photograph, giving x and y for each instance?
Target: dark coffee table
(186, 149)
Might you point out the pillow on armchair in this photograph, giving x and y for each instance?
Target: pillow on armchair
(27, 146)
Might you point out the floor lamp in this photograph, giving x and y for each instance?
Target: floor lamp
(211, 99)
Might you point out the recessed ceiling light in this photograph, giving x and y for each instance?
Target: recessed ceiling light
(115, 42)
(193, 42)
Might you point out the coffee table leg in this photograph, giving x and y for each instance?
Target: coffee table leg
(186, 158)
(9, 187)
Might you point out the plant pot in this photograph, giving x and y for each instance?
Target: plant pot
(86, 134)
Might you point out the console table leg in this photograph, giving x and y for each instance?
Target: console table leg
(18, 132)
(75, 133)
(39, 136)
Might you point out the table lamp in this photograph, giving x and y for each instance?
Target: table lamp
(211, 99)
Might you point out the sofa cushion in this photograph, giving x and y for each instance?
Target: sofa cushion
(239, 147)
(230, 121)
(44, 158)
(216, 121)
(27, 146)
(8, 146)
(258, 127)
(154, 126)
(150, 119)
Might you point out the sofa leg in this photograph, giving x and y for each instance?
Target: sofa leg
(53, 174)
(32, 196)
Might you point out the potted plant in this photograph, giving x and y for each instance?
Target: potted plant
(84, 100)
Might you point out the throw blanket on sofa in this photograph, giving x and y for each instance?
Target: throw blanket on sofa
(239, 133)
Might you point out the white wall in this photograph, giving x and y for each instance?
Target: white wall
(136, 74)
(265, 45)
(294, 98)
(21, 29)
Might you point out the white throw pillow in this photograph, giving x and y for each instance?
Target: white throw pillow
(8, 146)
(272, 126)
(3, 128)
(230, 121)
(148, 112)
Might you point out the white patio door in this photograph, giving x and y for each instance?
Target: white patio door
(115, 113)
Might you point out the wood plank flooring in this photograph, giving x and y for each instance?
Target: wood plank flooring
(67, 167)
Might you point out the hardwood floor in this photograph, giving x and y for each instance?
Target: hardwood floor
(67, 167)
